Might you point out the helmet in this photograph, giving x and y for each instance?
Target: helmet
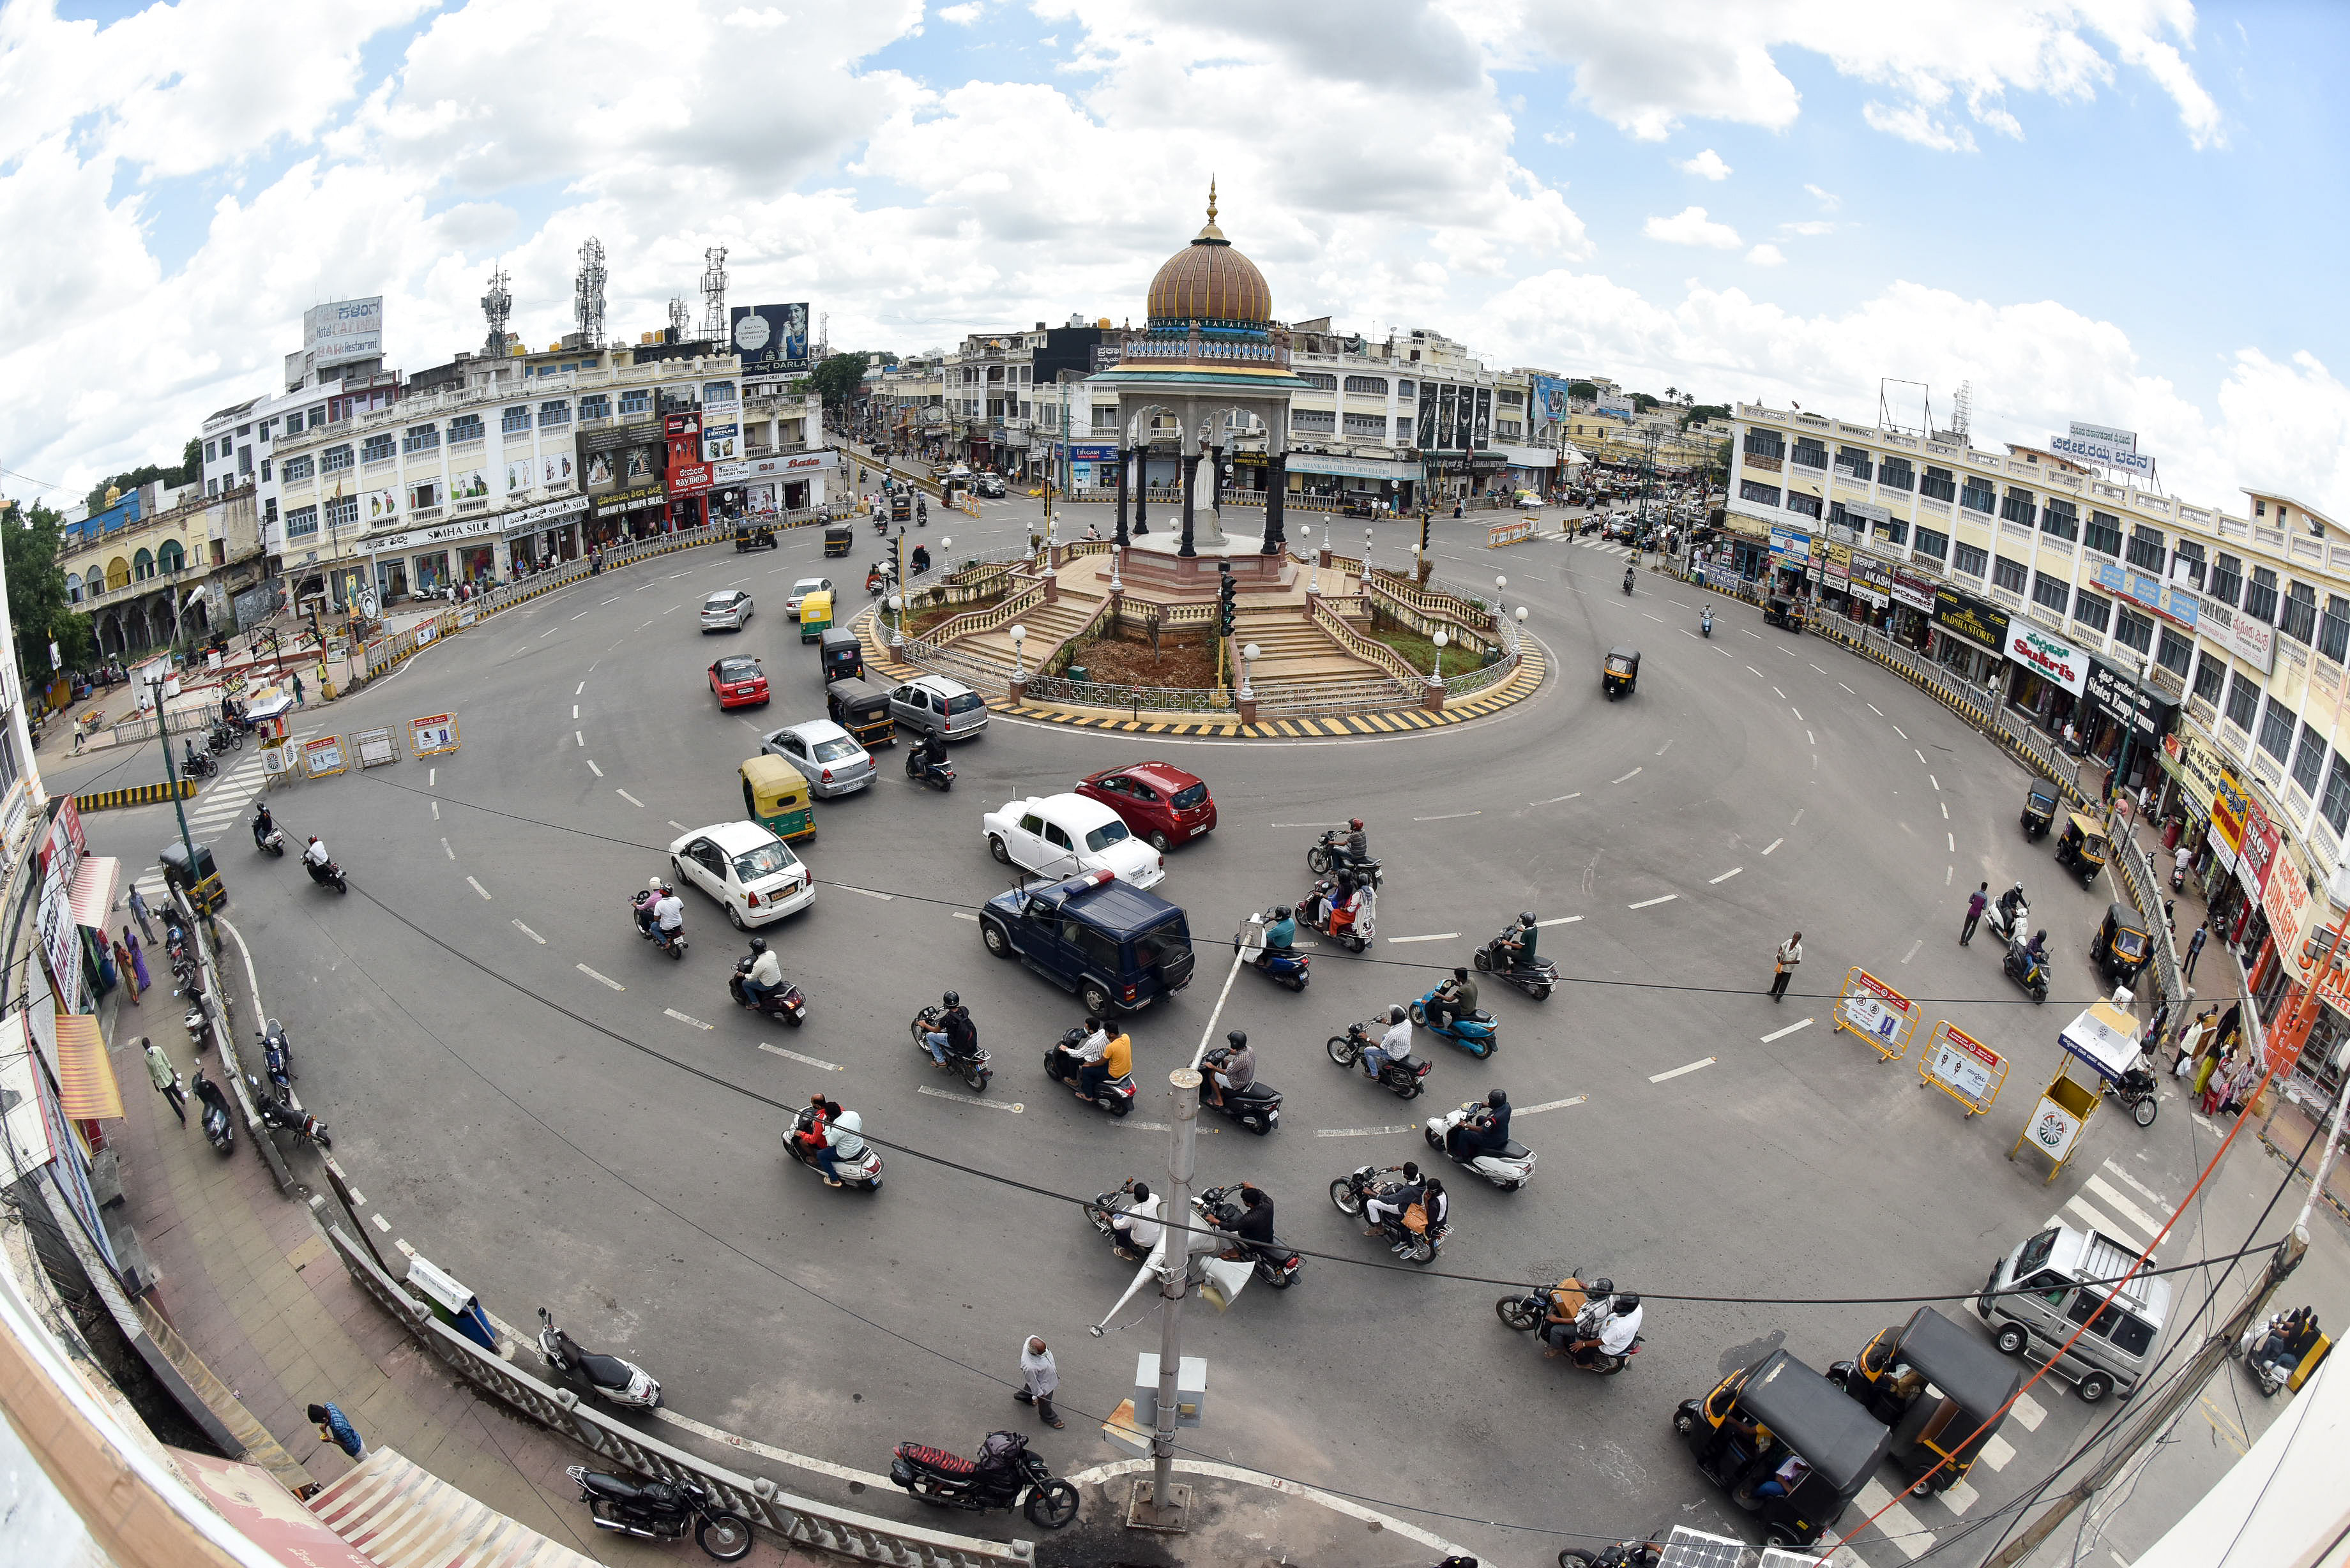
(1281, 913)
(1354, 824)
(1527, 917)
(1496, 1098)
(952, 999)
(1628, 1302)
(1602, 1286)
(758, 944)
(1397, 1014)
(653, 886)
(1237, 1038)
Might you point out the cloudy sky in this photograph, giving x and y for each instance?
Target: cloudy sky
(2112, 210)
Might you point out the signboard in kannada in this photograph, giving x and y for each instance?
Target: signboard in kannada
(2048, 657)
(1962, 1067)
(324, 757)
(376, 747)
(1964, 615)
(1872, 578)
(1878, 1013)
(2257, 854)
(432, 735)
(2286, 901)
(2248, 638)
(1791, 546)
(2103, 453)
(2126, 700)
(2230, 804)
(1911, 589)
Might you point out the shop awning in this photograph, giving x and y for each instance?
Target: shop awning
(1353, 467)
(86, 1087)
(92, 898)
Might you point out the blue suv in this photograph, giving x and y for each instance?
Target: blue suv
(1117, 947)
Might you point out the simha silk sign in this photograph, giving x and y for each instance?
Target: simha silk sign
(2050, 658)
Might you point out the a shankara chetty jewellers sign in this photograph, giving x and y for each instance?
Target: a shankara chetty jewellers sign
(2050, 658)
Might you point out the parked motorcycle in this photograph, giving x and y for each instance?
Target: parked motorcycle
(1256, 1106)
(327, 875)
(1508, 1168)
(660, 1511)
(1272, 1262)
(1477, 1033)
(1004, 1475)
(1527, 1312)
(287, 1117)
(1352, 928)
(1359, 1185)
(786, 1002)
(938, 775)
(1285, 966)
(617, 1382)
(862, 1172)
(278, 1058)
(2138, 1092)
(220, 1130)
(2032, 973)
(199, 1024)
(973, 1069)
(1404, 1079)
(1116, 1096)
(1536, 979)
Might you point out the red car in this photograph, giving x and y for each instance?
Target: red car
(739, 681)
(1159, 802)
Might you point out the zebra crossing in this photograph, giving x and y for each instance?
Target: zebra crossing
(213, 811)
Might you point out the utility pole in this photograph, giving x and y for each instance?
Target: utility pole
(1165, 1508)
(171, 777)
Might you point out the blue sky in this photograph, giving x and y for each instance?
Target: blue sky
(2120, 210)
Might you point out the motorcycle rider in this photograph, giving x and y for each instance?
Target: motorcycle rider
(1392, 1201)
(767, 976)
(643, 903)
(315, 856)
(956, 1033)
(1117, 1060)
(1516, 951)
(1486, 1132)
(262, 824)
(1705, 620)
(1393, 1047)
(2009, 901)
(1138, 1226)
(840, 1141)
(669, 915)
(921, 559)
(932, 753)
(1615, 1337)
(1627, 579)
(1232, 1068)
(1456, 997)
(1359, 843)
(2035, 953)
(1253, 1229)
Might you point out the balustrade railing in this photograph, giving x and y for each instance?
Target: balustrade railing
(1369, 648)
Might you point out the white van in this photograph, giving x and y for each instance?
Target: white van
(2057, 1279)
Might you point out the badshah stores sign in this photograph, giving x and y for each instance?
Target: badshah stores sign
(2049, 657)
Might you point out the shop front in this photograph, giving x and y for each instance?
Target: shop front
(2118, 703)
(1913, 608)
(1791, 555)
(1095, 466)
(1969, 636)
(540, 536)
(621, 465)
(2046, 676)
(1390, 486)
(419, 562)
(773, 488)
(686, 479)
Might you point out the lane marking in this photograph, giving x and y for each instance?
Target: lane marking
(1783, 1034)
(1897, 1522)
(616, 599)
(1905, 735)
(1652, 903)
(601, 979)
(1946, 875)
(1921, 756)
(1935, 781)
(2030, 1411)
(594, 769)
(1872, 707)
(2148, 1193)
(810, 1061)
(1437, 937)
(884, 897)
(1954, 842)
(1809, 736)
(679, 825)
(2117, 1199)
(1633, 774)
(446, 850)
(1798, 817)
(581, 616)
(1798, 712)
(1822, 671)
(686, 1018)
(575, 709)
(1997, 1450)
(436, 811)
(1772, 845)
(1754, 672)
(1848, 689)
(582, 687)
(534, 936)
(579, 737)
(1666, 747)
(381, 1223)
(1449, 816)
(1677, 1072)
(780, 1455)
(1774, 691)
(1015, 1107)
(1946, 810)
(1552, 1105)
(967, 915)
(484, 892)
(1359, 1132)
(551, 631)
(1726, 876)
(430, 775)
(633, 800)
(1913, 950)
(1562, 920)
(1555, 799)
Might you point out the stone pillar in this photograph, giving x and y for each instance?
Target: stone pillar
(1142, 490)
(1432, 695)
(1124, 453)
(1191, 479)
(1276, 486)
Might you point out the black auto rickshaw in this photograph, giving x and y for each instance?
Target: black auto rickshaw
(2082, 846)
(1781, 610)
(1942, 1390)
(201, 884)
(753, 534)
(841, 656)
(1786, 1443)
(863, 710)
(839, 538)
(2039, 810)
(902, 506)
(1619, 671)
(2121, 947)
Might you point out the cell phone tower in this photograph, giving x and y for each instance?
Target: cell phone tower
(587, 294)
(498, 306)
(713, 294)
(1963, 410)
(680, 313)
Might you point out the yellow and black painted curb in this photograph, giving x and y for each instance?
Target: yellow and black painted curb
(136, 794)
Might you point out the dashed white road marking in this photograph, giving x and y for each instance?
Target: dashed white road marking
(1435, 937)
(967, 915)
(1633, 774)
(810, 1061)
(1360, 1132)
(378, 1220)
(1562, 920)
(1779, 694)
(1552, 1105)
(594, 769)
(1783, 1034)
(1726, 876)
(1815, 739)
(1677, 1072)
(1449, 816)
(1913, 950)
(1946, 875)
(446, 850)
(1798, 712)
(686, 1018)
(579, 737)
(534, 936)
(1935, 781)
(1015, 1107)
(633, 800)
(1921, 756)
(884, 897)
(484, 892)
(1798, 817)
(1872, 707)
(1772, 845)
(1652, 903)
(430, 775)
(679, 825)
(1754, 672)
(436, 811)
(1946, 810)
(1823, 672)
(1555, 799)
(575, 709)
(1666, 747)
(599, 979)
(1954, 842)
(582, 687)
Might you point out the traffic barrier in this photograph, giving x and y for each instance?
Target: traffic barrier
(136, 794)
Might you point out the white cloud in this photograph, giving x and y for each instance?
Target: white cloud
(961, 16)
(1912, 122)
(1809, 228)
(1691, 226)
(1828, 200)
(1706, 165)
(1766, 255)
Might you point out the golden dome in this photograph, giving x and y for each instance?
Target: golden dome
(1208, 280)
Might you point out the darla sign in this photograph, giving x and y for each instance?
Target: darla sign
(2048, 657)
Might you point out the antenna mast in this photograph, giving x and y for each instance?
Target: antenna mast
(497, 304)
(713, 294)
(1962, 412)
(680, 313)
(587, 294)
(1885, 419)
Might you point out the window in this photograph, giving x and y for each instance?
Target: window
(2134, 630)
(1404, 390)
(1504, 397)
(2299, 622)
(264, 469)
(377, 448)
(2009, 575)
(422, 437)
(2105, 536)
(1894, 473)
(2210, 674)
(1978, 495)
(317, 417)
(2187, 561)
(636, 402)
(2333, 627)
(424, 496)
(212, 451)
(244, 459)
(2053, 591)
(1972, 560)
(2091, 610)
(1307, 419)
(2146, 549)
(2243, 699)
(2276, 729)
(1854, 460)
(1809, 453)
(550, 415)
(1803, 504)
(2173, 652)
(465, 427)
(1755, 491)
(1893, 531)
(599, 407)
(2308, 761)
(1931, 542)
(1378, 387)
(1375, 426)
(1764, 443)
(2336, 804)
(2017, 507)
(1316, 378)
(516, 420)
(341, 512)
(1503, 429)
(301, 522)
(2260, 595)
(2227, 578)
(336, 458)
(1937, 483)
(2058, 518)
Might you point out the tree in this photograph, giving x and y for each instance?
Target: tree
(1698, 414)
(838, 379)
(36, 596)
(1642, 402)
(192, 467)
(1584, 390)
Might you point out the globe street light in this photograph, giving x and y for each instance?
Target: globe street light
(897, 612)
(1248, 656)
(1367, 555)
(1306, 535)
(1439, 640)
(1019, 636)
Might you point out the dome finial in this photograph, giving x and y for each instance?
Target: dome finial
(1212, 199)
(1211, 235)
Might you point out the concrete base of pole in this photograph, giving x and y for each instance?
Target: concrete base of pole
(1143, 1512)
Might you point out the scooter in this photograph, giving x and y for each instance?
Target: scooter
(219, 1129)
(863, 1172)
(327, 875)
(1272, 1262)
(1508, 1168)
(2178, 876)
(1403, 1079)
(2009, 928)
(660, 1511)
(1005, 1475)
(1351, 928)
(1477, 1033)
(938, 775)
(1116, 1096)
(1357, 1187)
(199, 1024)
(973, 1069)
(617, 1382)
(1535, 979)
(2029, 973)
(272, 842)
(1256, 1106)
(1705, 624)
(785, 1002)
(287, 1118)
(1286, 965)
(1527, 1312)
(278, 1058)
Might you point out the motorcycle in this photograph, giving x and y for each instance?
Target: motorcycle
(1273, 1262)
(1107, 1206)
(973, 1069)
(287, 1117)
(785, 1002)
(1623, 1554)
(1627, 581)
(1286, 965)
(1401, 1079)
(672, 943)
(1477, 1033)
(199, 1026)
(1116, 1096)
(2032, 973)
(219, 1129)
(2178, 876)
(1526, 1313)
(938, 775)
(1005, 1475)
(2138, 1092)
(272, 842)
(1256, 1106)
(621, 1383)
(1357, 1187)
(1352, 928)
(2012, 928)
(327, 875)
(660, 1511)
(1329, 851)
(198, 765)
(862, 1172)
(278, 1058)
(1508, 1168)
(1535, 979)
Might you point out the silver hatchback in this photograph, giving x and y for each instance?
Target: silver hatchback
(826, 755)
(725, 610)
(939, 705)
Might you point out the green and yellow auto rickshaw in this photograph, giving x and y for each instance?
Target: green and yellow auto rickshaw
(775, 796)
(2082, 846)
(816, 615)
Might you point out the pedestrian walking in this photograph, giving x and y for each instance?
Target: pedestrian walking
(2194, 950)
(130, 977)
(299, 700)
(1041, 1378)
(140, 912)
(2154, 1030)
(138, 957)
(165, 1078)
(2231, 1022)
(2212, 1057)
(1790, 953)
(78, 737)
(1975, 902)
(336, 1427)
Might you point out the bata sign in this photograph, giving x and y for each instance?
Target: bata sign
(2047, 656)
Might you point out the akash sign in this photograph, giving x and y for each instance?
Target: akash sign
(2048, 657)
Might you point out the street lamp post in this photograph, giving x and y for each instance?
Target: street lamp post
(1305, 536)
(1439, 640)
(1248, 656)
(1367, 556)
(1019, 636)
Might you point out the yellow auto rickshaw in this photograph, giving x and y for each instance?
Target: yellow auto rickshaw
(2121, 947)
(816, 615)
(776, 797)
(2082, 846)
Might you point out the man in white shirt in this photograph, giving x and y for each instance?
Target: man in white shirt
(766, 972)
(668, 914)
(316, 853)
(1393, 1047)
(1137, 1228)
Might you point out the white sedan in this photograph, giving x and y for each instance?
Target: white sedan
(1068, 835)
(749, 870)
